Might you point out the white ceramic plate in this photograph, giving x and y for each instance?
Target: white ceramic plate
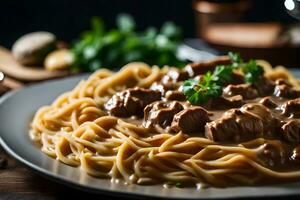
(16, 111)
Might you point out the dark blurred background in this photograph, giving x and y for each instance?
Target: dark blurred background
(68, 18)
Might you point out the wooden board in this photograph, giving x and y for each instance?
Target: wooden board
(10, 67)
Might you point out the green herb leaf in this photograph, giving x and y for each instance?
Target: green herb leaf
(235, 58)
(98, 48)
(210, 86)
(222, 74)
(198, 92)
(170, 30)
(125, 22)
(252, 71)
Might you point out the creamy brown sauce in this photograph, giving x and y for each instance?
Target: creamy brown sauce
(255, 111)
(151, 134)
(286, 163)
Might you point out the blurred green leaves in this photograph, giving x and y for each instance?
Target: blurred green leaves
(99, 48)
(125, 23)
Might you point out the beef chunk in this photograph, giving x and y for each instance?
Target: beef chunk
(158, 87)
(161, 113)
(234, 126)
(268, 102)
(164, 87)
(190, 120)
(291, 108)
(195, 69)
(224, 102)
(286, 91)
(244, 90)
(175, 76)
(131, 102)
(273, 153)
(259, 110)
(171, 81)
(281, 81)
(175, 95)
(167, 83)
(296, 154)
(264, 86)
(291, 131)
(270, 123)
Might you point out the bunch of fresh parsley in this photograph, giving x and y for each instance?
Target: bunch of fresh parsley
(99, 47)
(210, 86)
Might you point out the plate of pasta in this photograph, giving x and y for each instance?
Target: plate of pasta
(223, 128)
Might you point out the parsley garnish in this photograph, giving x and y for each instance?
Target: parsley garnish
(198, 92)
(252, 71)
(210, 86)
(235, 59)
(222, 74)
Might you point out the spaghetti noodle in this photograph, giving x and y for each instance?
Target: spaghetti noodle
(77, 130)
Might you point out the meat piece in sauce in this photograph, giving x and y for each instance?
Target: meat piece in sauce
(161, 113)
(245, 90)
(291, 131)
(170, 81)
(195, 69)
(284, 89)
(264, 86)
(270, 123)
(296, 154)
(158, 87)
(224, 102)
(268, 102)
(291, 108)
(131, 102)
(175, 95)
(273, 153)
(234, 126)
(190, 120)
(175, 76)
(169, 91)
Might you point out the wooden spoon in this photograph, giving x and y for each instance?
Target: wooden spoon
(10, 67)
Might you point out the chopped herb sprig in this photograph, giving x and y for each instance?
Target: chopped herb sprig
(201, 91)
(210, 86)
(251, 70)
